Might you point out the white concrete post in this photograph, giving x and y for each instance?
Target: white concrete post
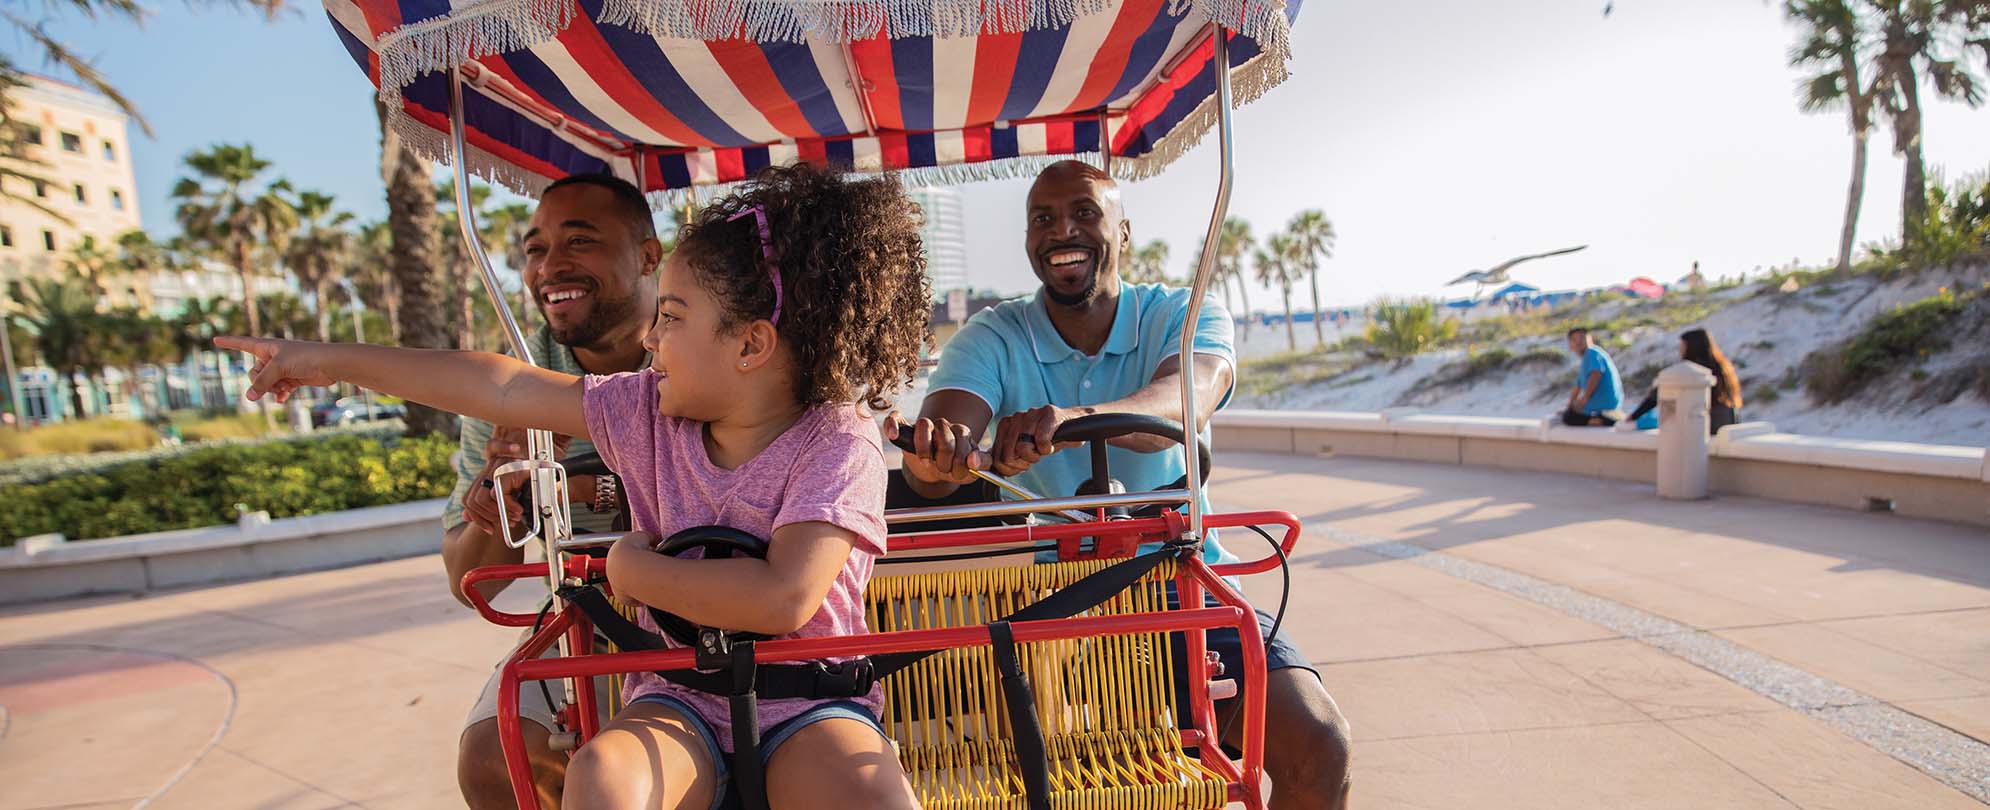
(1683, 392)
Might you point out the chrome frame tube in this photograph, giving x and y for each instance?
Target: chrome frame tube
(1001, 508)
(1205, 269)
(548, 478)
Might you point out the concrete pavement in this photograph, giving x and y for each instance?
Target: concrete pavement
(1496, 638)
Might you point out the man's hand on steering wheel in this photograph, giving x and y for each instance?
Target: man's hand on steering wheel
(1023, 438)
(944, 451)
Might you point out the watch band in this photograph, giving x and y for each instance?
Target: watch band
(606, 488)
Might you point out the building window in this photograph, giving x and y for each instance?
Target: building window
(72, 142)
(110, 152)
(6, 236)
(82, 197)
(48, 240)
(41, 189)
(31, 134)
(117, 200)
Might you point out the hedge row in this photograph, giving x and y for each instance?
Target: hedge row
(202, 487)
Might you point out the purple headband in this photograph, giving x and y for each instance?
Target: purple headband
(767, 250)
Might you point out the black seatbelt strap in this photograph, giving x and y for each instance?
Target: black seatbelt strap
(1087, 593)
(853, 678)
(748, 776)
(1032, 756)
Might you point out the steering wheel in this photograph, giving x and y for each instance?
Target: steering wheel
(1099, 428)
(717, 542)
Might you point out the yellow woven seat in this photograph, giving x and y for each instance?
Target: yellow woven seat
(1105, 703)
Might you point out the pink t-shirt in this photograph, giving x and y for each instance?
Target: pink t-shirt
(828, 467)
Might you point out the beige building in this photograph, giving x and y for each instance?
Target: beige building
(81, 139)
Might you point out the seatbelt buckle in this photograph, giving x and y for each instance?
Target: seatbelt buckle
(714, 650)
(850, 679)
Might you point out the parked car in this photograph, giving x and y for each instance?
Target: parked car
(348, 410)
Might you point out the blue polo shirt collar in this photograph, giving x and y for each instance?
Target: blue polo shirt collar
(1049, 345)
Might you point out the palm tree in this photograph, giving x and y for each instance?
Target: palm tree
(16, 161)
(319, 252)
(93, 264)
(1148, 264)
(285, 315)
(1829, 56)
(1278, 264)
(1313, 236)
(62, 315)
(220, 212)
(1932, 37)
(369, 266)
(504, 231)
(463, 271)
(411, 220)
(1233, 246)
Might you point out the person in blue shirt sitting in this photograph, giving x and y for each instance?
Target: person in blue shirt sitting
(1084, 343)
(1598, 397)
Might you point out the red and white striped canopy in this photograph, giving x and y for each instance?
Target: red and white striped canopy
(675, 94)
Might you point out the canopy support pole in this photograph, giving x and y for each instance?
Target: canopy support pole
(1105, 142)
(1205, 269)
(548, 481)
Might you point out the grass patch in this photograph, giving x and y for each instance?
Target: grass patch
(194, 427)
(1265, 375)
(99, 435)
(1400, 329)
(1906, 335)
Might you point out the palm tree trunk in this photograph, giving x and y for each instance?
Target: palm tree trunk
(1853, 197)
(1319, 327)
(1244, 294)
(245, 272)
(1914, 190)
(394, 309)
(322, 291)
(1291, 339)
(411, 220)
(466, 312)
(75, 394)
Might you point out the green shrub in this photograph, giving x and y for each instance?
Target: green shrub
(202, 487)
(1907, 334)
(1401, 329)
(1955, 227)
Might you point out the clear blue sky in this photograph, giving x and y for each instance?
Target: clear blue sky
(1439, 137)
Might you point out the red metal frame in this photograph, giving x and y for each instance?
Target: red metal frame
(1192, 580)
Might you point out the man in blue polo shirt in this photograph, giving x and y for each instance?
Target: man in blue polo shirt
(1598, 397)
(1086, 343)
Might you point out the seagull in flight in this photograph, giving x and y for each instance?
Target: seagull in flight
(1497, 274)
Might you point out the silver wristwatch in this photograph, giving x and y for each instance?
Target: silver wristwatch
(606, 487)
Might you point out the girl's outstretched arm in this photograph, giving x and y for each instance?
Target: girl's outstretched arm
(491, 387)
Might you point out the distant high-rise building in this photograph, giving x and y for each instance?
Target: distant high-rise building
(945, 235)
(80, 140)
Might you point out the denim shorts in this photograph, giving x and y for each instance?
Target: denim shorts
(771, 738)
(1279, 653)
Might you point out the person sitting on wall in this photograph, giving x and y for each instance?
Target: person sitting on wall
(1598, 397)
(1696, 346)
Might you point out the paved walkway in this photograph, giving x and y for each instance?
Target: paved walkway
(1496, 638)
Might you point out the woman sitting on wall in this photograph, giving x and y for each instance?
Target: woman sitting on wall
(1697, 346)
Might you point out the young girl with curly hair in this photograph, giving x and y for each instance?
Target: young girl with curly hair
(784, 306)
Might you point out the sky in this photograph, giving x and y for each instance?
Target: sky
(1438, 137)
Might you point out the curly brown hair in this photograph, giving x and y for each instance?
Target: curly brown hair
(856, 305)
